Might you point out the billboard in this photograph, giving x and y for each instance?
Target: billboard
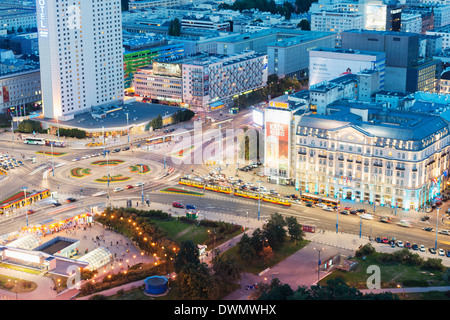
(167, 69)
(4, 94)
(258, 118)
(277, 142)
(326, 69)
(375, 17)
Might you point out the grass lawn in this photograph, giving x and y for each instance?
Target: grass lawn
(19, 268)
(257, 266)
(16, 285)
(391, 274)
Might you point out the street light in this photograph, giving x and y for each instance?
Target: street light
(128, 129)
(259, 199)
(25, 196)
(437, 222)
(142, 186)
(318, 264)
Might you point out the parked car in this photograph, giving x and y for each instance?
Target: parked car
(441, 252)
(190, 207)
(385, 240)
(447, 253)
(177, 205)
(407, 244)
(422, 248)
(432, 251)
(399, 243)
(415, 247)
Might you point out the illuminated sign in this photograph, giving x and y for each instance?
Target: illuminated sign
(277, 143)
(42, 18)
(22, 256)
(277, 104)
(167, 69)
(375, 17)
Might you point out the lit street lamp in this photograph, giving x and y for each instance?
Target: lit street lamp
(318, 264)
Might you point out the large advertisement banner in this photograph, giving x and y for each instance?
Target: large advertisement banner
(326, 69)
(167, 69)
(375, 17)
(5, 94)
(277, 153)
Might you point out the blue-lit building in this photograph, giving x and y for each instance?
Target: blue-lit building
(366, 153)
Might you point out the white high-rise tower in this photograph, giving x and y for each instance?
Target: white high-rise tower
(81, 59)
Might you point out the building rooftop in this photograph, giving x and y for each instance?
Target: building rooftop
(139, 113)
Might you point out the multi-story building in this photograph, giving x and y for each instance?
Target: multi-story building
(287, 50)
(214, 78)
(336, 21)
(81, 58)
(204, 24)
(443, 32)
(14, 19)
(326, 64)
(411, 23)
(143, 4)
(142, 51)
(207, 79)
(364, 153)
(20, 81)
(162, 83)
(405, 71)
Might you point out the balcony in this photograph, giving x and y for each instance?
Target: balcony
(400, 168)
(376, 164)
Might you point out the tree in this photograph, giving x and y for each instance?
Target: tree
(294, 229)
(245, 248)
(226, 271)
(30, 126)
(304, 25)
(175, 27)
(274, 230)
(267, 254)
(195, 282)
(156, 123)
(188, 254)
(276, 291)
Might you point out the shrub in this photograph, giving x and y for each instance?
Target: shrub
(365, 250)
(433, 264)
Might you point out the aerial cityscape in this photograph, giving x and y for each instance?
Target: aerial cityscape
(228, 151)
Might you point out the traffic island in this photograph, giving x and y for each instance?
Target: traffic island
(80, 172)
(181, 191)
(141, 169)
(54, 154)
(102, 163)
(116, 178)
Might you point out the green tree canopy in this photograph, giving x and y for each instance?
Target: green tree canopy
(188, 254)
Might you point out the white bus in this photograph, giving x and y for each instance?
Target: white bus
(32, 140)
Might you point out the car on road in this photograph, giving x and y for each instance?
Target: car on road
(348, 208)
(361, 210)
(385, 219)
(116, 150)
(399, 244)
(441, 252)
(446, 232)
(428, 209)
(125, 148)
(272, 191)
(354, 212)
(427, 229)
(76, 159)
(327, 208)
(309, 204)
(424, 218)
(404, 223)
(177, 205)
(117, 189)
(432, 251)
(415, 247)
(139, 184)
(422, 248)
(71, 199)
(56, 204)
(345, 212)
(129, 186)
(30, 211)
(367, 216)
(190, 207)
